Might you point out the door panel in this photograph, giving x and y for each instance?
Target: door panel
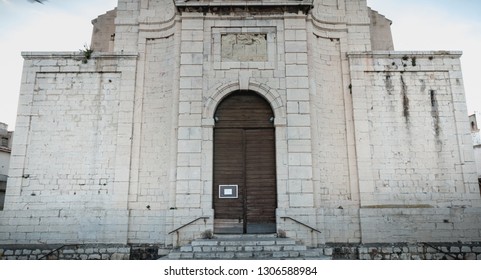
(261, 199)
(229, 170)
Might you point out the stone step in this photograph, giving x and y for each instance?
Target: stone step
(241, 248)
(246, 236)
(245, 247)
(234, 242)
(259, 255)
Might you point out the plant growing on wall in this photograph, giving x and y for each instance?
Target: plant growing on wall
(87, 53)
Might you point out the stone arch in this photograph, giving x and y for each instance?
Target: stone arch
(219, 92)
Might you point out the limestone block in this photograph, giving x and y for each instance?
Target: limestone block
(298, 94)
(299, 146)
(192, 24)
(295, 23)
(192, 47)
(298, 120)
(192, 35)
(295, 70)
(301, 200)
(293, 107)
(191, 70)
(298, 133)
(189, 146)
(300, 159)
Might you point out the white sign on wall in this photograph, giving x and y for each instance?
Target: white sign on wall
(228, 191)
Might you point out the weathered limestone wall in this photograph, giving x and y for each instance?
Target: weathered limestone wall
(344, 15)
(153, 148)
(381, 36)
(65, 252)
(416, 166)
(404, 251)
(137, 16)
(333, 151)
(70, 162)
(370, 146)
(103, 33)
(332, 142)
(372, 251)
(127, 26)
(208, 73)
(357, 24)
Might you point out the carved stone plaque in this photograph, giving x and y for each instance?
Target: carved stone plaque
(244, 47)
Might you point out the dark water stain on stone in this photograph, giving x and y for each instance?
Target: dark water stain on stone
(388, 84)
(423, 85)
(404, 91)
(435, 113)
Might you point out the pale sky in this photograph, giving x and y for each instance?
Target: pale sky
(61, 25)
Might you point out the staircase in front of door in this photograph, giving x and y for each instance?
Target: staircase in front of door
(246, 247)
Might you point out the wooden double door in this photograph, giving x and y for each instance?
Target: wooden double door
(245, 196)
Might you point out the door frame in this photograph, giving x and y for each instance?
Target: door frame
(214, 95)
(241, 128)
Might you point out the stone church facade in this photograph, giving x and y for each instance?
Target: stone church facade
(241, 117)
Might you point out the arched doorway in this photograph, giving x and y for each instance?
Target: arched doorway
(245, 196)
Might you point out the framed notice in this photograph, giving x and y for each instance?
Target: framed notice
(228, 191)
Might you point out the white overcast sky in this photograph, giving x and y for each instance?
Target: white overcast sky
(61, 25)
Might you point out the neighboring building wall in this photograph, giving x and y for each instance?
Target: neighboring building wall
(103, 33)
(476, 135)
(381, 36)
(477, 156)
(5, 150)
(473, 123)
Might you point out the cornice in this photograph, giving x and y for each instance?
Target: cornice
(252, 7)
